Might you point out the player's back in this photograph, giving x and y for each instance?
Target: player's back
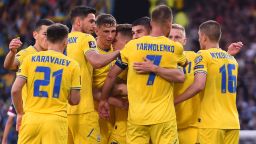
(187, 111)
(150, 96)
(78, 44)
(49, 77)
(218, 104)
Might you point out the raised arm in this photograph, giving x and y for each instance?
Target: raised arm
(10, 63)
(234, 48)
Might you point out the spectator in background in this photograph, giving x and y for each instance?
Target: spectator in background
(9, 123)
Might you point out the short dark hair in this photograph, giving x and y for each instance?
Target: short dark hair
(57, 32)
(144, 21)
(104, 19)
(161, 14)
(124, 29)
(42, 22)
(81, 11)
(211, 29)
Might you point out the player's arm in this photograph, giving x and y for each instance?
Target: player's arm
(120, 89)
(74, 97)
(10, 62)
(118, 102)
(7, 128)
(197, 86)
(100, 60)
(172, 75)
(17, 99)
(106, 90)
(16, 94)
(234, 48)
(96, 92)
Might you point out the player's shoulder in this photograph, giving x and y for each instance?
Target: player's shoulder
(203, 52)
(190, 54)
(80, 35)
(26, 51)
(72, 61)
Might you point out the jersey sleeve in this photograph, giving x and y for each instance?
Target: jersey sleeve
(76, 78)
(181, 56)
(89, 44)
(20, 56)
(122, 59)
(23, 69)
(201, 63)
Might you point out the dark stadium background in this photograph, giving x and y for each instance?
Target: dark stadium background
(237, 17)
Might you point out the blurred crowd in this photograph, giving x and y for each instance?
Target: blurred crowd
(237, 17)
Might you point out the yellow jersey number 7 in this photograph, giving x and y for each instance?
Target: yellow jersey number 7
(156, 59)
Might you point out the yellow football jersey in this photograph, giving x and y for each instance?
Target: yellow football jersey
(187, 111)
(218, 99)
(20, 57)
(150, 96)
(120, 122)
(24, 53)
(50, 76)
(78, 45)
(99, 75)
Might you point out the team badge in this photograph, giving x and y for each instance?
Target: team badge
(92, 44)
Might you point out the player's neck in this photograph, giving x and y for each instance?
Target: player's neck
(37, 47)
(56, 47)
(103, 46)
(76, 29)
(157, 31)
(212, 45)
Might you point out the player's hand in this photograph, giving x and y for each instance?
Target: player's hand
(125, 104)
(144, 67)
(103, 109)
(15, 44)
(235, 48)
(18, 121)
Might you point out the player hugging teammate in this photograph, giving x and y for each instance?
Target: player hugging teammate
(133, 84)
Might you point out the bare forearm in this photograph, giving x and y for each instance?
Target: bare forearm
(9, 62)
(107, 58)
(171, 75)
(106, 90)
(120, 89)
(189, 93)
(74, 97)
(17, 101)
(7, 128)
(114, 101)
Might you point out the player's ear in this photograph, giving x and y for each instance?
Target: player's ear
(77, 21)
(65, 42)
(35, 34)
(185, 41)
(96, 30)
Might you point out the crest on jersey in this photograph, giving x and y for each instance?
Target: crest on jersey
(98, 138)
(92, 44)
(198, 59)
